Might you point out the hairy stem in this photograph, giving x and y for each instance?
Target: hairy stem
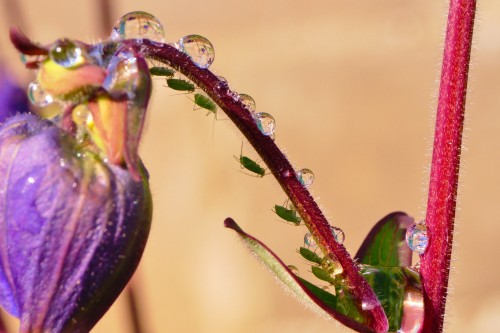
(435, 263)
(280, 167)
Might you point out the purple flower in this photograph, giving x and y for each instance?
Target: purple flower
(13, 99)
(72, 227)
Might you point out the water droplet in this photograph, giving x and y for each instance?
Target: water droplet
(309, 241)
(38, 96)
(331, 265)
(66, 53)
(199, 49)
(294, 269)
(265, 122)
(305, 177)
(416, 237)
(123, 74)
(248, 102)
(338, 234)
(137, 25)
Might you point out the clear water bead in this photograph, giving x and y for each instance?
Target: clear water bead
(199, 49)
(248, 102)
(136, 25)
(265, 122)
(305, 177)
(338, 234)
(416, 237)
(309, 241)
(331, 265)
(66, 53)
(38, 96)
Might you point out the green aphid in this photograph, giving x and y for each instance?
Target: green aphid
(310, 256)
(206, 103)
(180, 85)
(252, 166)
(286, 214)
(322, 275)
(161, 71)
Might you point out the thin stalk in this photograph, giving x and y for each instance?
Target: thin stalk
(3, 327)
(133, 308)
(280, 167)
(443, 185)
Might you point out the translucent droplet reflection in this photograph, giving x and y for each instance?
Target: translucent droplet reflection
(309, 241)
(248, 102)
(305, 177)
(416, 237)
(38, 96)
(136, 25)
(331, 265)
(199, 49)
(66, 53)
(338, 234)
(265, 122)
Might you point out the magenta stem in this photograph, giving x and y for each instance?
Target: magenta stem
(435, 262)
(280, 167)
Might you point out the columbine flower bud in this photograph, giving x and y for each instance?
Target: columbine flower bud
(72, 228)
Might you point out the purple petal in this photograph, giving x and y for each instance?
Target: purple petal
(13, 99)
(72, 228)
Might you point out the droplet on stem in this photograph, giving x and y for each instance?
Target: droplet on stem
(294, 269)
(248, 102)
(199, 49)
(138, 25)
(38, 96)
(331, 265)
(265, 122)
(309, 241)
(416, 237)
(305, 177)
(338, 234)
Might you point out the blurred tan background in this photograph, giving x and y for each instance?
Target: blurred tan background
(352, 85)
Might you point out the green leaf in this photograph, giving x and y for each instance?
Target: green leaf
(385, 244)
(310, 255)
(313, 297)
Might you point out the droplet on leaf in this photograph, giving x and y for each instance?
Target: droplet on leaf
(38, 96)
(199, 49)
(265, 122)
(416, 237)
(305, 177)
(294, 269)
(137, 25)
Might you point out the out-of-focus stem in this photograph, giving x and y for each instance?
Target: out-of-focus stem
(280, 167)
(435, 263)
(133, 308)
(3, 327)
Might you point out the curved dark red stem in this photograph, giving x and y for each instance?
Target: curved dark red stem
(278, 164)
(435, 263)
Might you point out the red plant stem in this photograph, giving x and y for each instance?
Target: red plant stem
(280, 167)
(435, 262)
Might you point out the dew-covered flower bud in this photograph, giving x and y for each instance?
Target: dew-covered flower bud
(72, 227)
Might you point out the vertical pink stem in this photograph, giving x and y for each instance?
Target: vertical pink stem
(435, 263)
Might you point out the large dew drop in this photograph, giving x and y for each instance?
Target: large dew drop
(265, 122)
(137, 25)
(416, 237)
(305, 177)
(199, 49)
(331, 265)
(38, 96)
(248, 102)
(66, 53)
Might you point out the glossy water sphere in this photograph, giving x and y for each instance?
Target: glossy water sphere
(416, 237)
(338, 234)
(66, 53)
(305, 177)
(38, 96)
(248, 102)
(137, 25)
(265, 122)
(309, 241)
(199, 49)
